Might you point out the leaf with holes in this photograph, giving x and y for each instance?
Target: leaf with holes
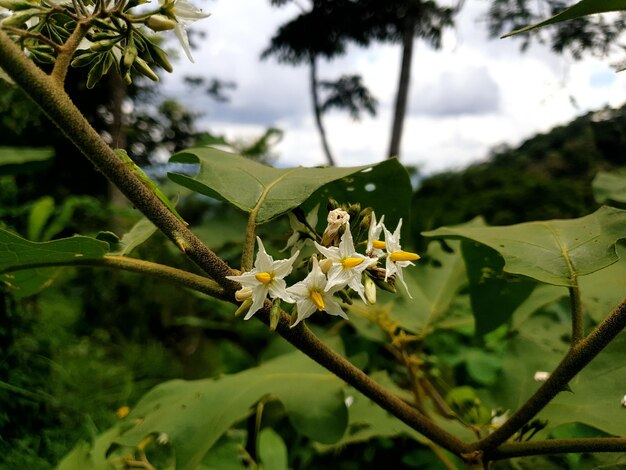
(261, 190)
(580, 9)
(17, 253)
(551, 251)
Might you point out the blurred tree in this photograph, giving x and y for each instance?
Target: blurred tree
(595, 34)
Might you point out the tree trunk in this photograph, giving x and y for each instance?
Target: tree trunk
(318, 113)
(403, 87)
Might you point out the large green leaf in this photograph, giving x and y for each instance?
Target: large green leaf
(194, 414)
(552, 251)
(251, 186)
(596, 391)
(23, 159)
(494, 295)
(138, 234)
(582, 8)
(17, 252)
(609, 186)
(386, 188)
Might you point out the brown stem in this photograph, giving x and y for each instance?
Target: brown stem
(578, 328)
(574, 361)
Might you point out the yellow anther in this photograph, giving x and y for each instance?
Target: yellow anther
(317, 299)
(379, 245)
(404, 256)
(349, 263)
(264, 277)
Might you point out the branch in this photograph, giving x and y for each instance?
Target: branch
(29, 34)
(53, 100)
(574, 361)
(66, 52)
(303, 339)
(557, 446)
(159, 271)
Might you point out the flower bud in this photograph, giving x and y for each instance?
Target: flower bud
(160, 23)
(336, 220)
(274, 314)
(370, 290)
(19, 19)
(325, 265)
(16, 5)
(244, 307)
(243, 294)
(145, 69)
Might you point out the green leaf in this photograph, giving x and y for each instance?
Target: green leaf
(609, 186)
(552, 251)
(17, 252)
(494, 295)
(596, 391)
(137, 235)
(582, 8)
(272, 450)
(540, 297)
(38, 216)
(15, 160)
(386, 188)
(261, 190)
(194, 414)
(603, 290)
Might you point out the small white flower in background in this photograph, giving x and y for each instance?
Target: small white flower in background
(375, 246)
(396, 258)
(184, 13)
(541, 376)
(347, 265)
(498, 418)
(336, 219)
(266, 278)
(310, 295)
(623, 402)
(163, 439)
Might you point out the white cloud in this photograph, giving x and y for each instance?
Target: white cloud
(469, 96)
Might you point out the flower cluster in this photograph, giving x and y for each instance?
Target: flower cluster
(337, 268)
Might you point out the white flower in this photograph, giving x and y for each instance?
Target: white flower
(266, 278)
(374, 245)
(541, 376)
(347, 265)
(184, 13)
(623, 402)
(310, 295)
(336, 219)
(396, 258)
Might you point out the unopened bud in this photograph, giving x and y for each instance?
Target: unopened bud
(370, 290)
(19, 19)
(244, 307)
(331, 205)
(145, 69)
(16, 5)
(274, 314)
(103, 45)
(160, 23)
(325, 265)
(243, 294)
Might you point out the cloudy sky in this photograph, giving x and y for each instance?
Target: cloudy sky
(469, 96)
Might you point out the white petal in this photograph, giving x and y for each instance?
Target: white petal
(299, 290)
(406, 288)
(283, 267)
(258, 299)
(346, 245)
(332, 307)
(246, 279)
(181, 34)
(278, 290)
(330, 253)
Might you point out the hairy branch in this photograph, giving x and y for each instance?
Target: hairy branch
(160, 271)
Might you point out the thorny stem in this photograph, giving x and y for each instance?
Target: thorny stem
(159, 271)
(579, 355)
